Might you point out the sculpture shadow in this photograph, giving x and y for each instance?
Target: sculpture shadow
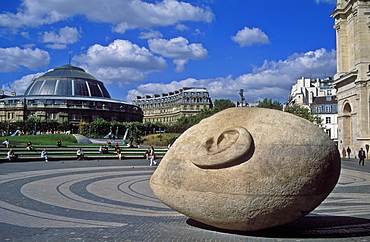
(310, 226)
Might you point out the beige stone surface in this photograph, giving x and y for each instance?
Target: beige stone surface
(352, 78)
(248, 169)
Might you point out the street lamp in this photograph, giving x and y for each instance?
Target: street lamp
(241, 93)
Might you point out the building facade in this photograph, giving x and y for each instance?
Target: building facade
(169, 107)
(352, 81)
(67, 93)
(319, 95)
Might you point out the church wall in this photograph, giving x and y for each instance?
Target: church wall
(352, 80)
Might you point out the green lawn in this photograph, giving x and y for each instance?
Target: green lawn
(160, 139)
(44, 139)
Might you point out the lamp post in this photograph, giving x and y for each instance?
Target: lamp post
(241, 93)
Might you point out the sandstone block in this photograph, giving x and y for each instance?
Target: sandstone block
(248, 169)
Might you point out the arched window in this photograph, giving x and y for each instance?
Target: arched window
(347, 109)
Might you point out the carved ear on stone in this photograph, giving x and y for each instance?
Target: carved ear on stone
(228, 148)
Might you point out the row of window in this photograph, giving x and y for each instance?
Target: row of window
(170, 119)
(329, 120)
(158, 105)
(325, 109)
(163, 102)
(90, 104)
(195, 93)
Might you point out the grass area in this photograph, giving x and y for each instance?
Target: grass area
(160, 139)
(44, 139)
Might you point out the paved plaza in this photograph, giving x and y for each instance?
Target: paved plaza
(110, 200)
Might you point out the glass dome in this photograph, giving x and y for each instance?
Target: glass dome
(67, 80)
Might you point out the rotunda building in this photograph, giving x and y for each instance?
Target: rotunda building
(67, 93)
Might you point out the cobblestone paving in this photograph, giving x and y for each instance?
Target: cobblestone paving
(111, 201)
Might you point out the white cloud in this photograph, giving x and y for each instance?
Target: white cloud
(152, 88)
(66, 35)
(21, 85)
(273, 79)
(178, 49)
(121, 53)
(56, 46)
(180, 64)
(11, 59)
(248, 37)
(26, 46)
(117, 75)
(181, 27)
(120, 61)
(150, 35)
(25, 34)
(124, 15)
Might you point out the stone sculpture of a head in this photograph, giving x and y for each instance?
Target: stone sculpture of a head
(248, 169)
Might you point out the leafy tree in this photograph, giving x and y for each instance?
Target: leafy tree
(32, 123)
(100, 127)
(84, 128)
(3, 127)
(65, 126)
(222, 104)
(18, 125)
(182, 124)
(49, 125)
(304, 112)
(117, 127)
(186, 122)
(135, 130)
(268, 103)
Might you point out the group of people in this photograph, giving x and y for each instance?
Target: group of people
(149, 154)
(361, 155)
(79, 154)
(104, 149)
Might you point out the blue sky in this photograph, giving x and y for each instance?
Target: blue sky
(141, 47)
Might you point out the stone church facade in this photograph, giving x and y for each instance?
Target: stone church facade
(352, 80)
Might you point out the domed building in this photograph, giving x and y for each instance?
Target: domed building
(67, 93)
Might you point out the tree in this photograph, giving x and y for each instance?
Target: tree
(268, 103)
(182, 124)
(100, 127)
(33, 123)
(186, 122)
(49, 125)
(222, 104)
(84, 128)
(305, 113)
(65, 126)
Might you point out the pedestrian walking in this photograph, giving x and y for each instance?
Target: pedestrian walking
(349, 153)
(344, 153)
(147, 154)
(152, 156)
(361, 156)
